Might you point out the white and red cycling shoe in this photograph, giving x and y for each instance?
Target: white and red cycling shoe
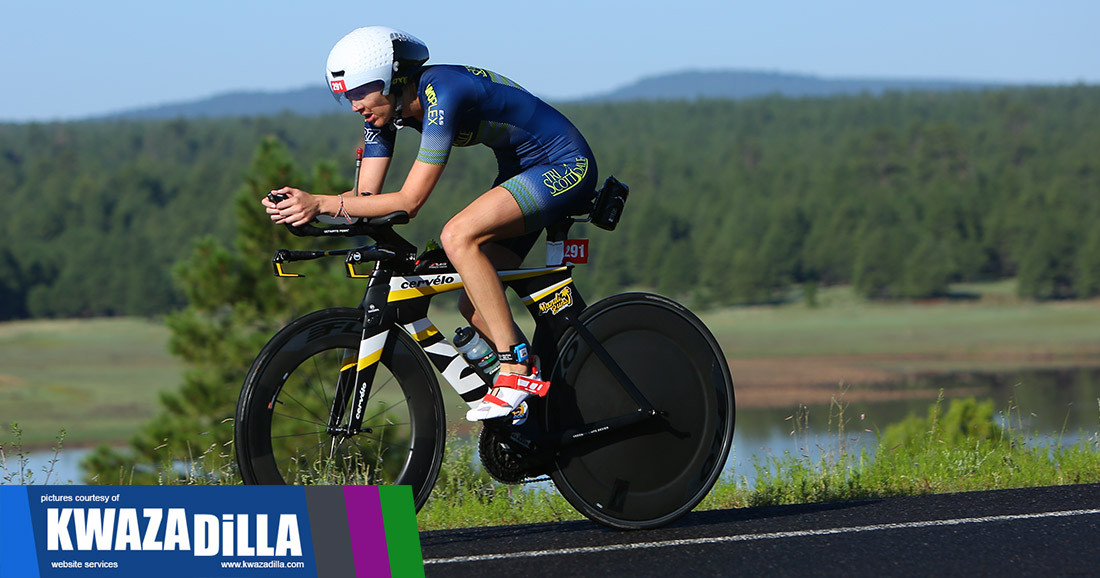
(509, 391)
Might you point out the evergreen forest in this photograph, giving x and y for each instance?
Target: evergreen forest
(731, 202)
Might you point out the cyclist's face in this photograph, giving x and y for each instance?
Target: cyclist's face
(375, 107)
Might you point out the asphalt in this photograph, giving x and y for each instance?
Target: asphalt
(1052, 531)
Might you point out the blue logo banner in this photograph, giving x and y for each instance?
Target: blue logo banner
(187, 531)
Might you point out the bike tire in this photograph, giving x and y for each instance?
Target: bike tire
(282, 413)
(652, 473)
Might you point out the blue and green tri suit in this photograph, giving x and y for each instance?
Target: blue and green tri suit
(543, 160)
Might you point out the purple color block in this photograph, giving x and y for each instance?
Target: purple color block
(368, 534)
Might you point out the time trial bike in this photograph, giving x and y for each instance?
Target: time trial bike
(634, 431)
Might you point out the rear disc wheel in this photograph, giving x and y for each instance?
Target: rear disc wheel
(649, 474)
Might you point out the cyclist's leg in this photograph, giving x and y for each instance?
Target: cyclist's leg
(523, 204)
(506, 254)
(466, 238)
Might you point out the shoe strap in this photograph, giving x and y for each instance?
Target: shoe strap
(529, 383)
(495, 400)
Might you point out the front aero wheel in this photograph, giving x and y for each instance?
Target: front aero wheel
(648, 474)
(303, 374)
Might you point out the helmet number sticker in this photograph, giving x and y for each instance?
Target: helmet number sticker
(338, 86)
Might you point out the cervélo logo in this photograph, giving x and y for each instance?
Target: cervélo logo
(430, 281)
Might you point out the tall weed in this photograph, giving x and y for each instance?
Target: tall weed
(15, 465)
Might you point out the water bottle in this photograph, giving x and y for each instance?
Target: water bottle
(478, 352)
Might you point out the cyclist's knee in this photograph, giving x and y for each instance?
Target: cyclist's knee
(455, 237)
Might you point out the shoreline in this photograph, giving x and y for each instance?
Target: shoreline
(772, 382)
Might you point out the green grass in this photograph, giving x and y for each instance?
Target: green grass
(99, 379)
(465, 496)
(945, 335)
(957, 448)
(960, 449)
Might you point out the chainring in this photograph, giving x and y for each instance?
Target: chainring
(503, 464)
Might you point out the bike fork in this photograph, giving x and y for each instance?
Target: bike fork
(357, 374)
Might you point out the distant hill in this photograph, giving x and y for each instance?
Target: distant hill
(735, 84)
(730, 84)
(304, 101)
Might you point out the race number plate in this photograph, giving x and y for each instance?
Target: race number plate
(576, 251)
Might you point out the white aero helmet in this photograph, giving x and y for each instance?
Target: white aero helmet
(373, 54)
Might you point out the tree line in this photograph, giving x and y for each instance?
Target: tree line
(731, 202)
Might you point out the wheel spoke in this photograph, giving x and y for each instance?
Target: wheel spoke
(320, 375)
(388, 443)
(303, 454)
(297, 435)
(303, 406)
(322, 425)
(385, 409)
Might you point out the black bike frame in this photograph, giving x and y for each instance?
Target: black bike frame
(397, 295)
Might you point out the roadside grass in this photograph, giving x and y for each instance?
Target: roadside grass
(960, 446)
(963, 447)
(466, 496)
(16, 467)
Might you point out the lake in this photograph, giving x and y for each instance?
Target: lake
(1049, 406)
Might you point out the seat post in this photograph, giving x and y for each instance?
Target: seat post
(556, 235)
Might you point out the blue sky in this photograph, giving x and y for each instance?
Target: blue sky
(64, 59)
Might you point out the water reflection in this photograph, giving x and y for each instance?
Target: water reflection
(1049, 406)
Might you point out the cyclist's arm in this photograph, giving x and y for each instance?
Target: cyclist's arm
(301, 207)
(412, 195)
(372, 174)
(378, 145)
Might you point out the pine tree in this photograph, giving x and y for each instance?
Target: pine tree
(1087, 281)
(235, 306)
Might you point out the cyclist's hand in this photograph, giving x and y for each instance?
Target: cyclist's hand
(297, 209)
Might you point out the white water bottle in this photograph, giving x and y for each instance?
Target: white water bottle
(477, 351)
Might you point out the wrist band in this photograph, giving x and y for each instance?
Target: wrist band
(343, 212)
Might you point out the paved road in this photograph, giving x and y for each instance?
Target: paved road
(1050, 531)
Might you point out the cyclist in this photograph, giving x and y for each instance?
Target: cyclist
(546, 171)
